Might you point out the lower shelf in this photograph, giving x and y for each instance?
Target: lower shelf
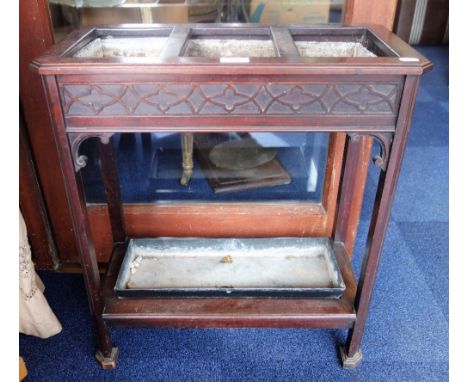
(228, 312)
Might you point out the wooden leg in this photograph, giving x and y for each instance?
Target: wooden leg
(349, 188)
(390, 163)
(187, 158)
(350, 362)
(375, 239)
(106, 353)
(110, 178)
(107, 360)
(354, 176)
(351, 356)
(68, 145)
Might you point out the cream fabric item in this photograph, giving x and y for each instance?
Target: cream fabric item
(35, 318)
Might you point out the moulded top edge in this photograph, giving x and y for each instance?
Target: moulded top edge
(282, 46)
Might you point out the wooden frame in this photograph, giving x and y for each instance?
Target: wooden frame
(397, 72)
(226, 219)
(35, 36)
(33, 208)
(372, 12)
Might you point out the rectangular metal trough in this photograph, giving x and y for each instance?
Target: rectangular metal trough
(201, 267)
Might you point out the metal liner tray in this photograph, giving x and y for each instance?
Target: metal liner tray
(200, 267)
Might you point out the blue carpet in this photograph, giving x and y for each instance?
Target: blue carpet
(406, 338)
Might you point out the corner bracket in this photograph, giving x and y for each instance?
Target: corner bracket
(385, 139)
(76, 139)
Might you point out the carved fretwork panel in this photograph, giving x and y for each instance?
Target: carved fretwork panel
(167, 99)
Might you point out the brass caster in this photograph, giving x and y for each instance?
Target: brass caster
(350, 362)
(110, 361)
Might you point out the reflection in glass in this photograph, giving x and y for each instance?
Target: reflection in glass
(66, 16)
(218, 167)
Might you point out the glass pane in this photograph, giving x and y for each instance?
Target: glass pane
(66, 16)
(226, 167)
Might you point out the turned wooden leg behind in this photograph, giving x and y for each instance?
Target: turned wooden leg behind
(187, 158)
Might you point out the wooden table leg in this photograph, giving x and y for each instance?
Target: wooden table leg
(187, 158)
(351, 355)
(110, 178)
(70, 165)
(354, 177)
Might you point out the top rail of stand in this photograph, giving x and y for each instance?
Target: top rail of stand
(391, 55)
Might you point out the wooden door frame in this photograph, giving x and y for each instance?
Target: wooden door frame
(35, 36)
(33, 208)
(370, 12)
